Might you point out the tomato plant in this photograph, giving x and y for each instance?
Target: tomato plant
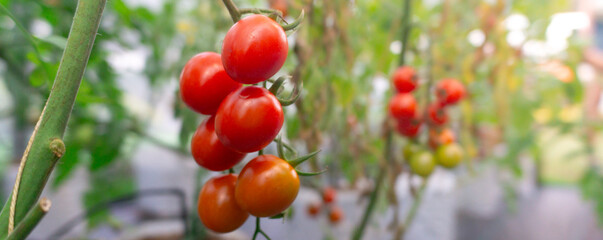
(267, 186)
(313, 209)
(329, 194)
(335, 214)
(217, 206)
(437, 114)
(254, 49)
(249, 119)
(204, 83)
(449, 91)
(209, 152)
(409, 127)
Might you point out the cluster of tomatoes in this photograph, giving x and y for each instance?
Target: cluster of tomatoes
(242, 119)
(329, 197)
(409, 121)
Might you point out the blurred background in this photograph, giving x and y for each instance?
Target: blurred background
(531, 124)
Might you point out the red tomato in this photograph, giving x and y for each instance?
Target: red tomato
(449, 91)
(209, 152)
(217, 206)
(280, 5)
(204, 83)
(437, 114)
(313, 209)
(403, 106)
(335, 215)
(329, 194)
(405, 79)
(409, 128)
(254, 49)
(249, 119)
(437, 138)
(267, 186)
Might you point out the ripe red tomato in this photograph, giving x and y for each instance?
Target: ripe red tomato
(313, 209)
(449, 91)
(267, 186)
(437, 114)
(209, 152)
(405, 79)
(280, 5)
(217, 206)
(204, 83)
(249, 119)
(335, 215)
(422, 163)
(403, 106)
(409, 128)
(437, 138)
(329, 194)
(254, 49)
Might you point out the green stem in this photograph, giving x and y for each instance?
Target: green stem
(30, 221)
(388, 135)
(370, 207)
(258, 230)
(235, 14)
(39, 160)
(407, 26)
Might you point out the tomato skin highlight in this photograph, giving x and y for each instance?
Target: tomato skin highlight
(217, 207)
(254, 49)
(449, 91)
(209, 152)
(449, 155)
(249, 119)
(267, 186)
(405, 79)
(204, 83)
(403, 106)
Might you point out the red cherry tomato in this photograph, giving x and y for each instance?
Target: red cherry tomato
(437, 114)
(313, 209)
(335, 215)
(204, 83)
(409, 128)
(249, 119)
(217, 206)
(254, 49)
(329, 194)
(267, 186)
(209, 152)
(403, 106)
(449, 91)
(280, 5)
(405, 79)
(442, 137)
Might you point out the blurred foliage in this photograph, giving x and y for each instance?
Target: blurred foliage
(344, 53)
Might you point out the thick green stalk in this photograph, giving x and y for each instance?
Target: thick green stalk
(40, 155)
(30, 221)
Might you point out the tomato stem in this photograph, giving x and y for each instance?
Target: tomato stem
(258, 229)
(235, 14)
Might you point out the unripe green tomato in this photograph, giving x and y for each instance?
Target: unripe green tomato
(449, 155)
(409, 150)
(422, 163)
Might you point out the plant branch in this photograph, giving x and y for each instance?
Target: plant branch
(235, 14)
(412, 213)
(30, 221)
(258, 230)
(39, 160)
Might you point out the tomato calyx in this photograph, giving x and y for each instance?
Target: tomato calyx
(277, 86)
(236, 14)
(280, 146)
